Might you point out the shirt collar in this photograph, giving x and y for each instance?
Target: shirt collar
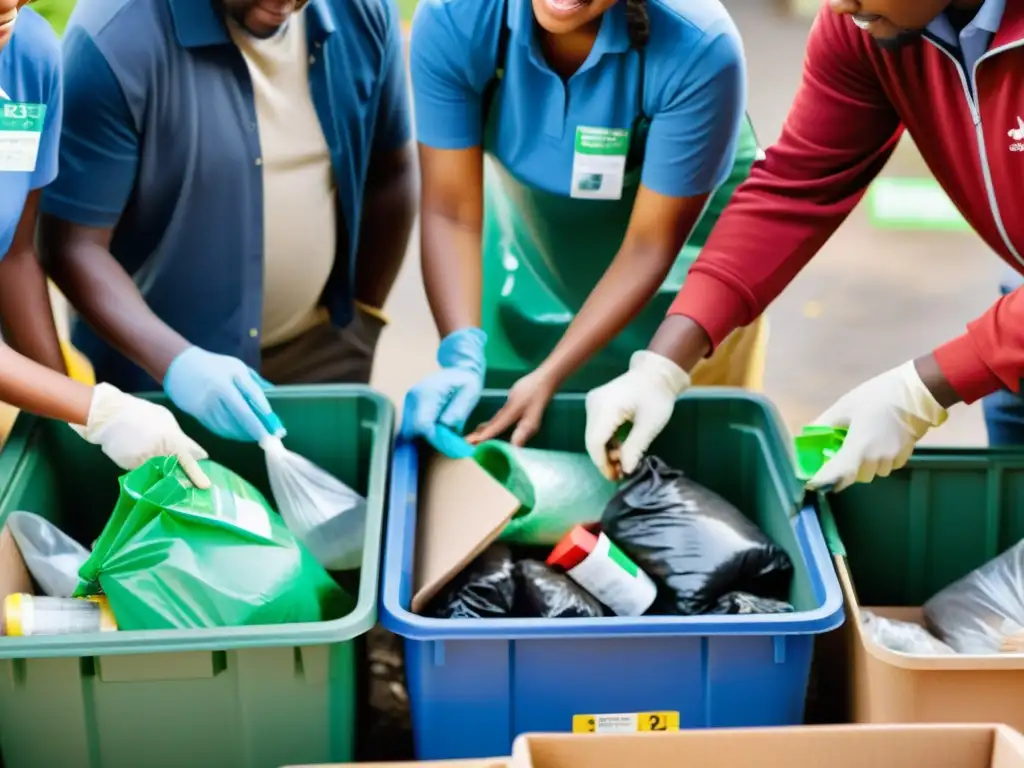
(613, 36)
(197, 23)
(987, 20)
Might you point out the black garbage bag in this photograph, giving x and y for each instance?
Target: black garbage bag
(547, 594)
(694, 544)
(746, 603)
(485, 589)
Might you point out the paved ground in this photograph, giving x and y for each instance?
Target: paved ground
(869, 301)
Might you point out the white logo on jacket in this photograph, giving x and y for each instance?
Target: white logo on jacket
(1017, 134)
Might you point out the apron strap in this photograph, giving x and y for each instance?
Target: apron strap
(641, 123)
(501, 56)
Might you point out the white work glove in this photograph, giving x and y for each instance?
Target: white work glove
(885, 416)
(645, 396)
(131, 431)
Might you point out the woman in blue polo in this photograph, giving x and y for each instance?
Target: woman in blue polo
(129, 430)
(610, 128)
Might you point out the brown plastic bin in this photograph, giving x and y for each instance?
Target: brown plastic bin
(890, 687)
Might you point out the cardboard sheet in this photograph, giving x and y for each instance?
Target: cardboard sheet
(462, 509)
(878, 746)
(14, 575)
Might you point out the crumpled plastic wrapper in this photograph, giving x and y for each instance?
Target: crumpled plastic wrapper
(902, 636)
(983, 613)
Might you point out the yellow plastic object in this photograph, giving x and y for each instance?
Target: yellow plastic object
(78, 365)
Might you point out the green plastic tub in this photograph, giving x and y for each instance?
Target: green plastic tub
(911, 534)
(252, 697)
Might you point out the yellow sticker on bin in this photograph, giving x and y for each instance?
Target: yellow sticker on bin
(626, 723)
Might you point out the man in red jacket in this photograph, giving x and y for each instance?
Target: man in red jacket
(951, 73)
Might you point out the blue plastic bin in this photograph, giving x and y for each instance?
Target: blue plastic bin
(474, 685)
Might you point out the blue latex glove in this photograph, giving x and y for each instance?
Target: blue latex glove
(447, 398)
(223, 393)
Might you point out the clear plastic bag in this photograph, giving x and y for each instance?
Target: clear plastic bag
(984, 611)
(327, 516)
(51, 556)
(902, 636)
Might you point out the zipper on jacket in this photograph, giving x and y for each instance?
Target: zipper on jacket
(969, 93)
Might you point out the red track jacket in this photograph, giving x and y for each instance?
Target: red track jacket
(853, 104)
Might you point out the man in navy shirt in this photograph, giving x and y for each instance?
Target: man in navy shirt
(236, 195)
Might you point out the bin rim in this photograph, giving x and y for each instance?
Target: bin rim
(396, 579)
(357, 622)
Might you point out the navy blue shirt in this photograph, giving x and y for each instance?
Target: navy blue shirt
(160, 142)
(29, 75)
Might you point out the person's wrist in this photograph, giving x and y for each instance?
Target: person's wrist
(931, 392)
(464, 348)
(682, 340)
(552, 374)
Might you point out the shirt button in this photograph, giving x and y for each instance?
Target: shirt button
(253, 333)
(259, 161)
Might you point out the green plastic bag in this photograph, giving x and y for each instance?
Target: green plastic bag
(557, 489)
(176, 557)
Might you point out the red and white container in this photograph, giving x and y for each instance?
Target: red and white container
(594, 562)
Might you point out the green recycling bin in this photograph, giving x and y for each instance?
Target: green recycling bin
(233, 697)
(531, 294)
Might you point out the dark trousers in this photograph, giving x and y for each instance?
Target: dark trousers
(325, 354)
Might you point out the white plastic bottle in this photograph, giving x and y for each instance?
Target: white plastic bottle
(26, 615)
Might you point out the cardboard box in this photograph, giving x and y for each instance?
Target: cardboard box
(890, 687)
(901, 746)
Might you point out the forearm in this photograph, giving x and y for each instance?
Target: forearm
(38, 389)
(627, 286)
(28, 325)
(107, 298)
(389, 210)
(450, 254)
(682, 340)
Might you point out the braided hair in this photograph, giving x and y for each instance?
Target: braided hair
(638, 23)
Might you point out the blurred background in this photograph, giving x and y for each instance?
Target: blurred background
(900, 277)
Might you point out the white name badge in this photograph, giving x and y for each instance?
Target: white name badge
(599, 163)
(21, 128)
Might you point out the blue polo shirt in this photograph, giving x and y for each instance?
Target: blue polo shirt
(694, 91)
(30, 73)
(161, 144)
